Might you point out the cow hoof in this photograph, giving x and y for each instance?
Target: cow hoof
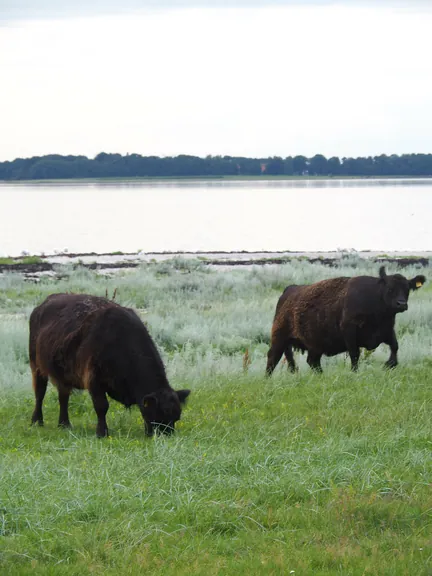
(38, 422)
(390, 365)
(67, 425)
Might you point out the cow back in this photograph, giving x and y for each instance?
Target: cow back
(77, 338)
(311, 314)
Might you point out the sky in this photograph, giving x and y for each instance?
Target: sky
(263, 78)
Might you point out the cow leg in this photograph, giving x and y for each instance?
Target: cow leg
(314, 361)
(63, 396)
(350, 337)
(354, 356)
(394, 347)
(39, 385)
(290, 358)
(273, 357)
(101, 406)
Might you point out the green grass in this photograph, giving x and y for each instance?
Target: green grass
(303, 474)
(30, 260)
(6, 261)
(25, 260)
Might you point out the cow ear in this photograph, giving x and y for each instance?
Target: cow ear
(417, 282)
(150, 401)
(382, 274)
(182, 395)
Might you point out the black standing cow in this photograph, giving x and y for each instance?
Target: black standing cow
(339, 315)
(80, 341)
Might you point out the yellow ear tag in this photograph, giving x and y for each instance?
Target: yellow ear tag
(419, 284)
(146, 404)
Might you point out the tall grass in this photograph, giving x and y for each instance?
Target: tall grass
(301, 474)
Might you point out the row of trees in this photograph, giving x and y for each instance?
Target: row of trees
(133, 165)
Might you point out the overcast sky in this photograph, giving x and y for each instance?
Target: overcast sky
(195, 77)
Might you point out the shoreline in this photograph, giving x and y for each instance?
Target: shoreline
(34, 267)
(245, 178)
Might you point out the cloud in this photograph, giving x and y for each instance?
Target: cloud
(339, 81)
(28, 9)
(43, 9)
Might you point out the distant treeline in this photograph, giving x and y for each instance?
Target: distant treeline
(134, 165)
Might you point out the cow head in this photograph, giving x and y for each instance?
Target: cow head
(162, 409)
(396, 289)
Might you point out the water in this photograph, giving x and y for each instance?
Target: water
(204, 215)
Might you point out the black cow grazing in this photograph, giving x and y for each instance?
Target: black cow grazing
(86, 342)
(339, 315)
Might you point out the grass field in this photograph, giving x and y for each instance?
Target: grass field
(299, 474)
